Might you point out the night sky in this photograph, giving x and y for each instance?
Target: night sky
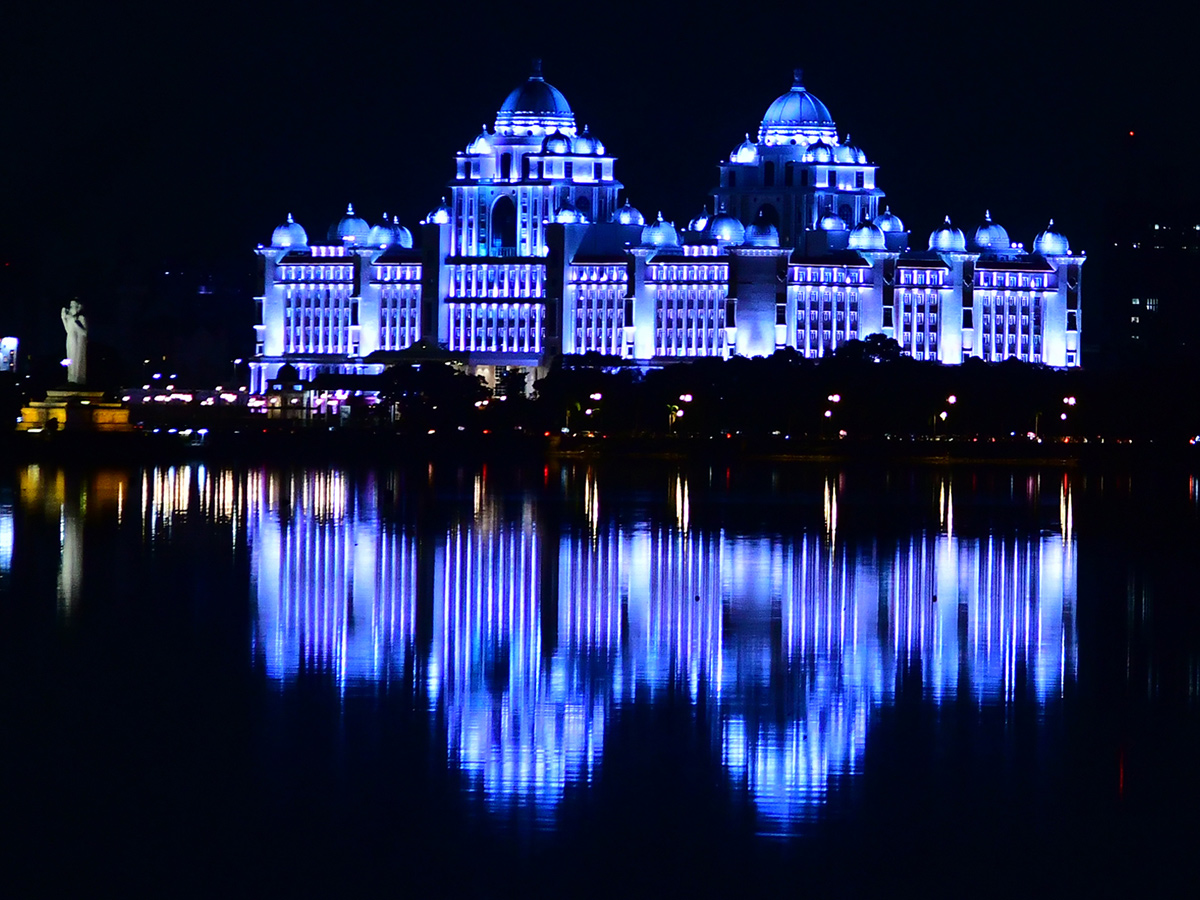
(184, 133)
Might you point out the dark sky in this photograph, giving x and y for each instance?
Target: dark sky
(187, 131)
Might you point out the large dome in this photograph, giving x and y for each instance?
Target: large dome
(535, 107)
(797, 115)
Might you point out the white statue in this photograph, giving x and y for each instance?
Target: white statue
(75, 324)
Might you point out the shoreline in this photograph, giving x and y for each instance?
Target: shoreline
(350, 447)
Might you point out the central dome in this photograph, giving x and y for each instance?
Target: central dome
(535, 107)
(797, 116)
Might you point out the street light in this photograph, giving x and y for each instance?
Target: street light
(596, 396)
(834, 398)
(952, 399)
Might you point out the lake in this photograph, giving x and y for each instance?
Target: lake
(618, 677)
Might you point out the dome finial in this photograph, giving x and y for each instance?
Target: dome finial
(537, 68)
(349, 209)
(947, 220)
(798, 79)
(987, 215)
(1051, 221)
(292, 221)
(660, 218)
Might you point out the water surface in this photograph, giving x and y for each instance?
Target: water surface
(577, 678)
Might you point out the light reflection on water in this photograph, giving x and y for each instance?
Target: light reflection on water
(543, 626)
(793, 641)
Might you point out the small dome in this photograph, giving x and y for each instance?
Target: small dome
(819, 151)
(700, 223)
(727, 229)
(439, 216)
(948, 239)
(745, 153)
(887, 222)
(401, 236)
(628, 215)
(762, 235)
(1051, 242)
(586, 145)
(289, 234)
(990, 236)
(832, 223)
(797, 114)
(535, 107)
(381, 235)
(860, 157)
(660, 234)
(287, 373)
(844, 153)
(867, 236)
(350, 229)
(482, 145)
(569, 215)
(556, 144)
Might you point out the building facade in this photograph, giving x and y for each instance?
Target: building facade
(532, 254)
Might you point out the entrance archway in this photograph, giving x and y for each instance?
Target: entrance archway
(503, 232)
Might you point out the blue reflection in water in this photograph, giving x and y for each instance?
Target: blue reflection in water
(791, 641)
(336, 590)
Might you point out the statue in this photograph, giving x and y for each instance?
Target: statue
(75, 324)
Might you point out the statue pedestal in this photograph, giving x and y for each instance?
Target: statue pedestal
(74, 410)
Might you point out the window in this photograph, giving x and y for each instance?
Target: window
(860, 179)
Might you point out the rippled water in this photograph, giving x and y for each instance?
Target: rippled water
(574, 678)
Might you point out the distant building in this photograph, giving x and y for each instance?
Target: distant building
(9, 351)
(1151, 294)
(534, 254)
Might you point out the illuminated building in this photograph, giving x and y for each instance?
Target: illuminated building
(531, 254)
